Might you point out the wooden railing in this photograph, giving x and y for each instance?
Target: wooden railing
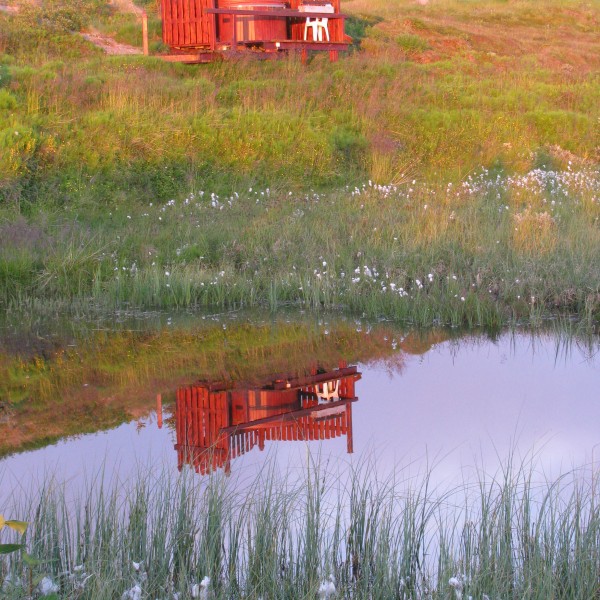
(286, 13)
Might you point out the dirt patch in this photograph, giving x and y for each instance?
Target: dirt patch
(126, 6)
(109, 45)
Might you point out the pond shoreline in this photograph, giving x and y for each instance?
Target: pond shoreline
(491, 251)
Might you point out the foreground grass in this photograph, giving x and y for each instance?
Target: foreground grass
(510, 536)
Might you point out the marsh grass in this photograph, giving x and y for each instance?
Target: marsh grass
(489, 251)
(513, 535)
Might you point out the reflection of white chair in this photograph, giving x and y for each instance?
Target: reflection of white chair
(328, 391)
(317, 24)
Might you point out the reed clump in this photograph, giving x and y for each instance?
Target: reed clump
(322, 534)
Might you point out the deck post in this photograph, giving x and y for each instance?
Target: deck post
(145, 33)
(333, 55)
(349, 438)
(304, 59)
(159, 414)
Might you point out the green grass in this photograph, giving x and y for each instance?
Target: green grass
(508, 536)
(425, 92)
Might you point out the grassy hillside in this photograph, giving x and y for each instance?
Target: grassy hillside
(434, 90)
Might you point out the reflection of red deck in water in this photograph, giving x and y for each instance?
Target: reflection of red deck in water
(216, 423)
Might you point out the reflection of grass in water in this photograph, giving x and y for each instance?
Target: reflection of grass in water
(113, 376)
(280, 538)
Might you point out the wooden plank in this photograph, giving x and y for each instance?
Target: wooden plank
(184, 17)
(220, 422)
(213, 27)
(198, 416)
(275, 13)
(304, 46)
(190, 59)
(175, 22)
(180, 18)
(172, 21)
(214, 410)
(290, 416)
(163, 19)
(350, 439)
(196, 14)
(188, 416)
(203, 407)
(309, 429)
(178, 415)
(188, 25)
(311, 380)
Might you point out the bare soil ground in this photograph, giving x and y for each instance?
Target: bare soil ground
(109, 45)
(126, 6)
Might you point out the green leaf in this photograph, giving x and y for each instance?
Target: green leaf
(8, 548)
(30, 560)
(20, 526)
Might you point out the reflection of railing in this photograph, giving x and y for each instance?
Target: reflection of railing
(215, 424)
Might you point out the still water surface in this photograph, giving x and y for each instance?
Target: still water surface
(461, 407)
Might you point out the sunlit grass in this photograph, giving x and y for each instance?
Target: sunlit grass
(126, 181)
(439, 89)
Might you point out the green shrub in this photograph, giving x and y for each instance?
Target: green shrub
(5, 76)
(7, 100)
(411, 43)
(349, 144)
(357, 26)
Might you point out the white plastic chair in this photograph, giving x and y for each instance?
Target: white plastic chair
(317, 24)
(328, 391)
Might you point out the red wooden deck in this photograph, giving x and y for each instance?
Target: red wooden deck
(214, 426)
(200, 30)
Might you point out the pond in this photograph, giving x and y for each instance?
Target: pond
(432, 401)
